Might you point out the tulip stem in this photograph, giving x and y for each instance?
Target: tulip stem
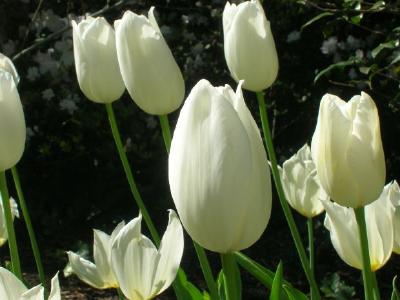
(120, 294)
(284, 204)
(366, 272)
(310, 229)
(201, 254)
(231, 276)
(12, 241)
(29, 227)
(166, 132)
(129, 176)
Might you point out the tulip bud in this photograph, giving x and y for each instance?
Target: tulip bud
(7, 65)
(342, 225)
(249, 45)
(150, 72)
(218, 170)
(347, 150)
(12, 123)
(301, 184)
(96, 60)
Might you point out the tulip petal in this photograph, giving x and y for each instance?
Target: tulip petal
(35, 293)
(86, 271)
(102, 257)
(170, 251)
(55, 293)
(11, 288)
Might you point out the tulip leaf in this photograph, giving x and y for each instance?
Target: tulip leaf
(339, 65)
(395, 293)
(316, 18)
(186, 289)
(276, 290)
(293, 294)
(221, 285)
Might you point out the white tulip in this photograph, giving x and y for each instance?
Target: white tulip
(7, 65)
(150, 72)
(342, 224)
(98, 274)
(218, 170)
(394, 195)
(301, 184)
(12, 123)
(249, 45)
(143, 271)
(347, 150)
(96, 60)
(3, 225)
(11, 288)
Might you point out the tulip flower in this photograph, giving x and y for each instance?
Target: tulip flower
(301, 184)
(394, 194)
(342, 225)
(249, 46)
(11, 288)
(347, 150)
(98, 274)
(7, 65)
(12, 123)
(218, 170)
(96, 60)
(3, 225)
(143, 271)
(150, 72)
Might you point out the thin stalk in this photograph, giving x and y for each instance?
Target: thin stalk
(377, 294)
(366, 272)
(120, 294)
(232, 291)
(129, 176)
(29, 227)
(201, 254)
(284, 204)
(166, 132)
(310, 229)
(12, 241)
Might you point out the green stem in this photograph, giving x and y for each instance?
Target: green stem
(120, 294)
(12, 241)
(310, 229)
(201, 254)
(366, 272)
(284, 204)
(166, 132)
(129, 176)
(29, 227)
(231, 274)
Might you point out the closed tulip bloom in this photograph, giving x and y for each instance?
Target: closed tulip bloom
(143, 271)
(249, 46)
(347, 150)
(218, 170)
(12, 123)
(394, 194)
(7, 65)
(342, 225)
(98, 274)
(301, 184)
(3, 225)
(150, 72)
(96, 60)
(11, 288)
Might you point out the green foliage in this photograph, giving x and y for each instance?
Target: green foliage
(276, 290)
(334, 288)
(395, 292)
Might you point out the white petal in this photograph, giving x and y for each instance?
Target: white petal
(11, 288)
(35, 293)
(55, 293)
(171, 250)
(102, 257)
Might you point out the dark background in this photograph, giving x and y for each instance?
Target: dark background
(70, 171)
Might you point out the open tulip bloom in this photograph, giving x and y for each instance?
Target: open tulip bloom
(347, 150)
(3, 225)
(11, 288)
(149, 70)
(342, 225)
(301, 184)
(249, 46)
(394, 195)
(98, 274)
(218, 170)
(96, 60)
(141, 270)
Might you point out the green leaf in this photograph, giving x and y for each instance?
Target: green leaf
(186, 289)
(388, 45)
(221, 285)
(316, 18)
(339, 65)
(293, 294)
(395, 293)
(276, 290)
(378, 5)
